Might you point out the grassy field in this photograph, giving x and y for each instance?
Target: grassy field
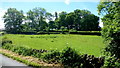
(83, 43)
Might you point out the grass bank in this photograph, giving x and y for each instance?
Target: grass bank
(28, 60)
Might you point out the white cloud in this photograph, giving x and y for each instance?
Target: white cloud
(2, 12)
(67, 2)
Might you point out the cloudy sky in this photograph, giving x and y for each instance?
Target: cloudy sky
(50, 5)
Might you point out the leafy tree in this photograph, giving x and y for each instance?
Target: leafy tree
(78, 15)
(70, 20)
(111, 29)
(84, 20)
(51, 25)
(37, 16)
(57, 24)
(56, 15)
(87, 22)
(13, 20)
(62, 16)
(49, 16)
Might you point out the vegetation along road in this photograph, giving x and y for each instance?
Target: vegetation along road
(5, 61)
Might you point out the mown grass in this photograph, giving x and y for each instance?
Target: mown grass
(89, 44)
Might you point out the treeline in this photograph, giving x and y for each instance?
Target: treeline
(35, 20)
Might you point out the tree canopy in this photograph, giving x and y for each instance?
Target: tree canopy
(35, 20)
(111, 30)
(13, 20)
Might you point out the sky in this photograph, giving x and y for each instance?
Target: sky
(51, 6)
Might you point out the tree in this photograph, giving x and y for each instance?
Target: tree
(51, 25)
(49, 16)
(78, 15)
(84, 20)
(37, 16)
(111, 26)
(62, 16)
(56, 15)
(57, 24)
(70, 20)
(13, 20)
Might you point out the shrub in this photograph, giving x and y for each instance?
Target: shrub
(70, 58)
(24, 50)
(5, 40)
(91, 61)
(112, 62)
(7, 46)
(52, 57)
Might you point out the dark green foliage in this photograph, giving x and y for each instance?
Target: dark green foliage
(111, 32)
(111, 29)
(91, 61)
(24, 50)
(37, 17)
(13, 20)
(51, 25)
(35, 21)
(112, 62)
(70, 57)
(52, 57)
(5, 40)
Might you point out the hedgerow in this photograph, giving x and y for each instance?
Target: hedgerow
(68, 57)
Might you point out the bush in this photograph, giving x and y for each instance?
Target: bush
(112, 62)
(69, 57)
(7, 46)
(91, 61)
(5, 40)
(24, 50)
(52, 57)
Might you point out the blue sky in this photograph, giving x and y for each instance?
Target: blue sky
(50, 6)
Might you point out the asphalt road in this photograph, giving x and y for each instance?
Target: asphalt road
(6, 62)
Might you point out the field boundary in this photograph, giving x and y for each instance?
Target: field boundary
(28, 60)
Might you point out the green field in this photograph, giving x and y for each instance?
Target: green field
(89, 44)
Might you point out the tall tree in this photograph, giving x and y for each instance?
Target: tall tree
(111, 26)
(84, 20)
(88, 20)
(70, 17)
(49, 16)
(37, 16)
(51, 25)
(56, 15)
(62, 16)
(13, 20)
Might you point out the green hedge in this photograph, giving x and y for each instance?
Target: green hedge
(71, 58)
(24, 50)
(68, 57)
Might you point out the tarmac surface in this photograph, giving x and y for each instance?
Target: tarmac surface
(6, 62)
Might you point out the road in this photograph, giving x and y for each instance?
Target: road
(5, 61)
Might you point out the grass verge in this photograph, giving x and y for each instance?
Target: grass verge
(28, 60)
